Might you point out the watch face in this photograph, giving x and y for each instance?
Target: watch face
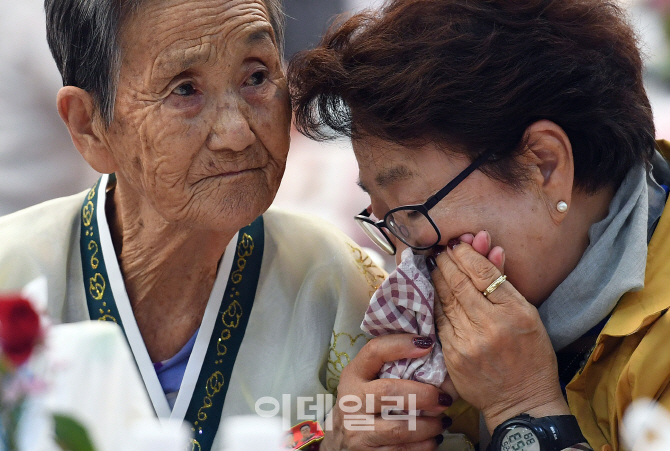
(519, 438)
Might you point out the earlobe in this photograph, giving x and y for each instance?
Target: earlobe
(77, 109)
(550, 152)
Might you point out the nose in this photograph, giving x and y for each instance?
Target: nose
(417, 231)
(231, 129)
(424, 234)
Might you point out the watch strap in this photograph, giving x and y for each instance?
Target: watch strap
(562, 430)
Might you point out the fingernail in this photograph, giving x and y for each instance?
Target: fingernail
(423, 343)
(445, 400)
(452, 243)
(431, 264)
(439, 439)
(446, 422)
(437, 250)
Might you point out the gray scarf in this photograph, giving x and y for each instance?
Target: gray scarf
(613, 263)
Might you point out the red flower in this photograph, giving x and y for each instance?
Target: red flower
(19, 328)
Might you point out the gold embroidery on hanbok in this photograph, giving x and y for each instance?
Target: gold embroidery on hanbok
(374, 276)
(339, 358)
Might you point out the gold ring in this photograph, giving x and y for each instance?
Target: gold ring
(496, 283)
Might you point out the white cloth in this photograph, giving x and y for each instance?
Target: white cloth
(89, 374)
(304, 325)
(405, 303)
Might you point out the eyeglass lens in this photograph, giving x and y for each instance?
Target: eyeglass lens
(377, 237)
(413, 228)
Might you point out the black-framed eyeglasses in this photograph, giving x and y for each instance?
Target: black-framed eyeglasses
(412, 224)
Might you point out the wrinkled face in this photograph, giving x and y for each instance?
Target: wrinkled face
(394, 175)
(202, 116)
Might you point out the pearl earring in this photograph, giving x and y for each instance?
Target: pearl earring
(562, 207)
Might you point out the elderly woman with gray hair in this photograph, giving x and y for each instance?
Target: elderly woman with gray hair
(184, 107)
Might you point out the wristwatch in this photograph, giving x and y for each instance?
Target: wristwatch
(525, 433)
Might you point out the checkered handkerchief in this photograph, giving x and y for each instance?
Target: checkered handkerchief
(404, 303)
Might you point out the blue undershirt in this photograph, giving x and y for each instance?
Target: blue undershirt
(171, 371)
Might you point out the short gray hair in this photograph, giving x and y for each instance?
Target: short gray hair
(83, 38)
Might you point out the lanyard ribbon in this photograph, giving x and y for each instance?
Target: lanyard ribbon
(206, 405)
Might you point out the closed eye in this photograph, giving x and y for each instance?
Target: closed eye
(413, 214)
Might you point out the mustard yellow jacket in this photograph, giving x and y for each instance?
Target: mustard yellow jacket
(631, 357)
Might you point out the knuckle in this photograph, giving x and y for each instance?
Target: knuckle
(355, 441)
(527, 319)
(483, 269)
(371, 348)
(458, 282)
(453, 308)
(348, 373)
(450, 309)
(386, 387)
(397, 431)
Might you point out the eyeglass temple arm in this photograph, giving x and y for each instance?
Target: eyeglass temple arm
(438, 196)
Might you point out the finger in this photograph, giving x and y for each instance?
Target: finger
(387, 348)
(443, 326)
(459, 313)
(442, 323)
(482, 242)
(497, 257)
(462, 302)
(467, 238)
(477, 268)
(449, 388)
(404, 430)
(482, 273)
(403, 394)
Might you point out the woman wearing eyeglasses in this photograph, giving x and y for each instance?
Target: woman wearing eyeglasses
(512, 142)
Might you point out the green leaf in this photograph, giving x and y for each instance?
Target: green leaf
(71, 435)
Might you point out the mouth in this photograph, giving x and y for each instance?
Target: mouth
(225, 177)
(232, 174)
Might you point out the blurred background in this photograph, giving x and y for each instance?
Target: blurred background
(38, 161)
